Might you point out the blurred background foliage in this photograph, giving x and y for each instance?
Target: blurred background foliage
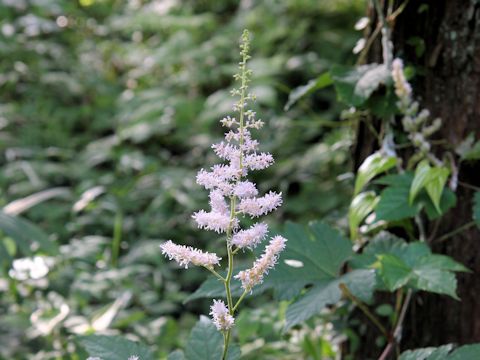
(107, 110)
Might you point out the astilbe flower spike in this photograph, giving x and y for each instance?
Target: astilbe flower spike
(233, 197)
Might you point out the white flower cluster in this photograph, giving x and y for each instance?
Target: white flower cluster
(184, 255)
(415, 121)
(254, 276)
(232, 197)
(221, 316)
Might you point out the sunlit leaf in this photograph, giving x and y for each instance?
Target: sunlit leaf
(372, 166)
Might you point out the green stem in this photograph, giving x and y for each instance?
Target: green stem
(364, 309)
(240, 299)
(220, 277)
(456, 231)
(117, 237)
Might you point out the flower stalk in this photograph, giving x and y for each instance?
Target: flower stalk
(228, 181)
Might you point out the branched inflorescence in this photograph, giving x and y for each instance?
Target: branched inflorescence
(232, 197)
(415, 121)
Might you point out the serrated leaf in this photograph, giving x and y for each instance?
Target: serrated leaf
(321, 249)
(393, 204)
(476, 208)
(430, 353)
(296, 94)
(419, 180)
(176, 355)
(206, 342)
(447, 201)
(394, 272)
(372, 166)
(466, 352)
(114, 347)
(361, 283)
(355, 85)
(362, 205)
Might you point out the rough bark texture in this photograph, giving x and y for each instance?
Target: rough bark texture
(448, 84)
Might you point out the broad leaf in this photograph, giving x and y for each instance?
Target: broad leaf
(114, 348)
(361, 283)
(466, 352)
(372, 166)
(447, 201)
(427, 353)
(26, 234)
(176, 355)
(313, 254)
(355, 85)
(206, 342)
(393, 204)
(394, 272)
(320, 82)
(362, 205)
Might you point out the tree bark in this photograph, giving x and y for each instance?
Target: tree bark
(447, 82)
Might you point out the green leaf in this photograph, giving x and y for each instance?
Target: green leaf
(372, 166)
(320, 82)
(466, 352)
(176, 355)
(355, 85)
(414, 265)
(393, 204)
(447, 201)
(206, 342)
(394, 272)
(361, 283)
(399, 264)
(313, 254)
(476, 208)
(438, 178)
(431, 353)
(26, 234)
(420, 179)
(114, 347)
(362, 205)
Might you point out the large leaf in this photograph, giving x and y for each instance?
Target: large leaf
(466, 352)
(362, 205)
(114, 348)
(394, 205)
(320, 82)
(313, 254)
(372, 166)
(427, 353)
(206, 342)
(176, 355)
(361, 283)
(26, 234)
(355, 85)
(399, 263)
(414, 265)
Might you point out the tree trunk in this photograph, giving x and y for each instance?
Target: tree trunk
(441, 39)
